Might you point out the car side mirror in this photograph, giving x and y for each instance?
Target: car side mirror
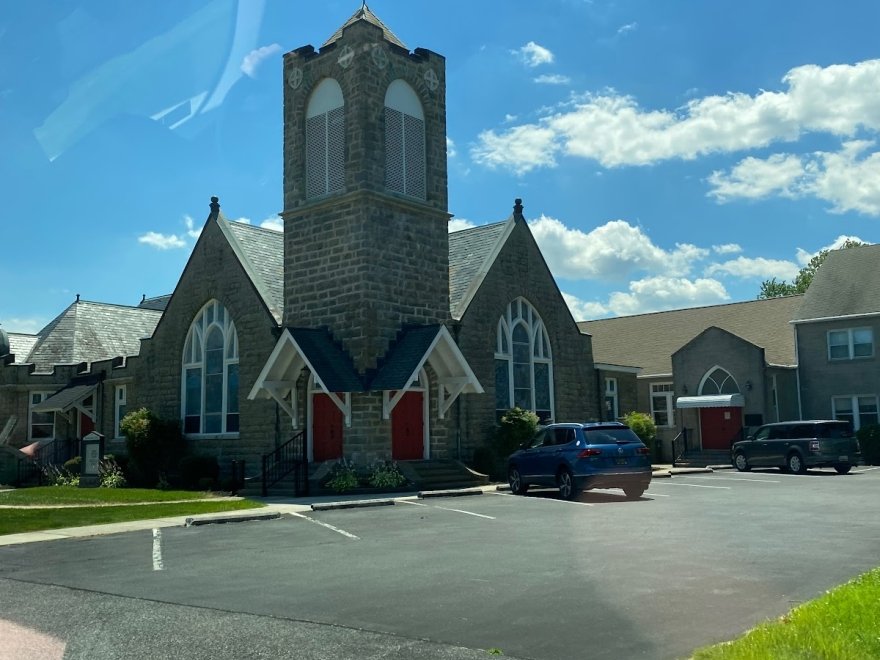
(750, 437)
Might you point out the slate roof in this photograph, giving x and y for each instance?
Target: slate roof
(21, 345)
(403, 357)
(158, 302)
(263, 250)
(65, 398)
(847, 283)
(469, 250)
(90, 331)
(332, 365)
(649, 340)
(364, 14)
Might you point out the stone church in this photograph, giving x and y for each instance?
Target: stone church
(365, 326)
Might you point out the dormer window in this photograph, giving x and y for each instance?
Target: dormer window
(325, 140)
(404, 141)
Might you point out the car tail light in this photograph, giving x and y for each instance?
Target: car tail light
(644, 451)
(814, 445)
(586, 453)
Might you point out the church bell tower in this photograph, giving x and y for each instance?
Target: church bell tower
(365, 198)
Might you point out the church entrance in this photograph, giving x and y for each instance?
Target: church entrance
(326, 428)
(408, 427)
(720, 427)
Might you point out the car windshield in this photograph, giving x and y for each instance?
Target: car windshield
(605, 436)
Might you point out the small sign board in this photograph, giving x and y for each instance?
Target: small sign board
(92, 455)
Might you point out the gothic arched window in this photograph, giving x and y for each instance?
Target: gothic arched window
(325, 140)
(523, 362)
(210, 373)
(718, 381)
(404, 141)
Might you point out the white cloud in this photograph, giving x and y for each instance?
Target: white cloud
(614, 130)
(582, 310)
(191, 230)
(450, 148)
(803, 256)
(654, 294)
(24, 326)
(629, 27)
(552, 79)
(162, 241)
(508, 118)
(520, 149)
(275, 224)
(534, 55)
(727, 248)
(754, 178)
(457, 224)
(613, 251)
(252, 60)
(756, 267)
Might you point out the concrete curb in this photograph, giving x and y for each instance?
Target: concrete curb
(220, 520)
(352, 504)
(450, 493)
(691, 470)
(721, 467)
(661, 474)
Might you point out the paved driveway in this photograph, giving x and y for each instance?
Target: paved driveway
(699, 559)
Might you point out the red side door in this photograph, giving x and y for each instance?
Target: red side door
(326, 429)
(720, 427)
(407, 428)
(86, 425)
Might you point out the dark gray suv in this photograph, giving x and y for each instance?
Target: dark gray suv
(796, 446)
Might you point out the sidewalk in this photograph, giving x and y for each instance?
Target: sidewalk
(275, 508)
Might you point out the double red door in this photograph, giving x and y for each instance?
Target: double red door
(408, 428)
(326, 429)
(720, 427)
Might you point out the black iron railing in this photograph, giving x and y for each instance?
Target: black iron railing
(679, 446)
(56, 452)
(289, 458)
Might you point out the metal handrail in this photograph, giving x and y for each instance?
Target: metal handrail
(283, 460)
(677, 455)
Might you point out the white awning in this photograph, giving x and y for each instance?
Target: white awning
(711, 401)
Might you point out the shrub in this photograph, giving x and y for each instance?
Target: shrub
(386, 475)
(154, 445)
(198, 472)
(56, 476)
(111, 473)
(74, 465)
(343, 477)
(869, 441)
(517, 426)
(642, 424)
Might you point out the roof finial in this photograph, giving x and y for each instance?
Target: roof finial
(215, 206)
(77, 297)
(143, 297)
(517, 207)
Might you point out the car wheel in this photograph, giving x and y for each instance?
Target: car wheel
(741, 463)
(517, 486)
(795, 463)
(565, 481)
(843, 469)
(634, 492)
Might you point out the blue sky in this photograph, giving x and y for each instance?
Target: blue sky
(668, 154)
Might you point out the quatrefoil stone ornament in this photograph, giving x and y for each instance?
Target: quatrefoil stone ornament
(345, 57)
(431, 80)
(380, 58)
(295, 78)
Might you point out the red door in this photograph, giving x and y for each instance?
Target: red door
(720, 427)
(326, 429)
(408, 428)
(86, 425)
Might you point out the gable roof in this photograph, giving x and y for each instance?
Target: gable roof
(471, 254)
(366, 15)
(847, 284)
(261, 254)
(90, 331)
(649, 340)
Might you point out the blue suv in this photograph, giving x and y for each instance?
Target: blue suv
(577, 457)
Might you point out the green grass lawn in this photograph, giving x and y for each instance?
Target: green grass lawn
(841, 625)
(103, 505)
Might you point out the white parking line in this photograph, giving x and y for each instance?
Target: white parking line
(327, 525)
(544, 499)
(652, 494)
(446, 508)
(761, 481)
(669, 483)
(158, 564)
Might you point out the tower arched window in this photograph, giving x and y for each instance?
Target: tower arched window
(404, 141)
(325, 140)
(523, 362)
(718, 381)
(210, 373)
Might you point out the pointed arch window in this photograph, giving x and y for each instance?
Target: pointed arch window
(718, 381)
(210, 373)
(325, 140)
(404, 141)
(523, 362)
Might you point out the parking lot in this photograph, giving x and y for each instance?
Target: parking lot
(700, 558)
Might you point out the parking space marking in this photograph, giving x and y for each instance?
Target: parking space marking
(158, 564)
(327, 525)
(669, 483)
(446, 508)
(762, 481)
(544, 499)
(656, 494)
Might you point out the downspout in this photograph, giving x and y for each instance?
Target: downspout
(599, 395)
(797, 375)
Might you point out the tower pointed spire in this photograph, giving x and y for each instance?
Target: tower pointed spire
(364, 13)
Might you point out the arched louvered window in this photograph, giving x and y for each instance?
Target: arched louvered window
(523, 362)
(210, 373)
(718, 381)
(404, 141)
(325, 140)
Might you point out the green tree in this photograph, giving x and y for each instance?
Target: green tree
(774, 288)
